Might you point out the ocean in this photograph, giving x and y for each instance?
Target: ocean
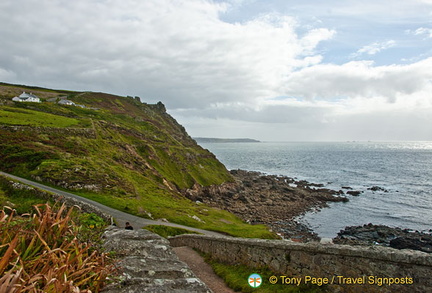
(402, 170)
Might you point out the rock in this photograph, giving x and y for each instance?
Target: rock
(268, 199)
(354, 192)
(412, 243)
(196, 218)
(377, 188)
(386, 236)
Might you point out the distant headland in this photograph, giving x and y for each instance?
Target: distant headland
(223, 140)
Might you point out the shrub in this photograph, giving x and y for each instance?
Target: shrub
(41, 253)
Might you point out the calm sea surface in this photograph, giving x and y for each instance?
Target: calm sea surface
(404, 169)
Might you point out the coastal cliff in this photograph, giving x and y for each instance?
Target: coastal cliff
(116, 150)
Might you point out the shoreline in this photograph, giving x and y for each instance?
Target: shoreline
(271, 200)
(276, 201)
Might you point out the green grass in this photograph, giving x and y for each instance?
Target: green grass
(236, 277)
(15, 116)
(176, 210)
(166, 231)
(22, 200)
(180, 211)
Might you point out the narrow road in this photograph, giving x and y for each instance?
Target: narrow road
(120, 217)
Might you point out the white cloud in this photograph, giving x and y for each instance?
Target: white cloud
(314, 37)
(424, 31)
(375, 48)
(429, 2)
(360, 79)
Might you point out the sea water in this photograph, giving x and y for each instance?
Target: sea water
(402, 169)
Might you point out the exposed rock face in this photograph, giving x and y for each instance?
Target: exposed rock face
(386, 236)
(148, 264)
(265, 199)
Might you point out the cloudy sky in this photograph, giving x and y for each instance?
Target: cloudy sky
(272, 70)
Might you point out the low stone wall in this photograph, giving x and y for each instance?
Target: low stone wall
(146, 263)
(66, 131)
(344, 268)
(68, 201)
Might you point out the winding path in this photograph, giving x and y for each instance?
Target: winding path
(119, 216)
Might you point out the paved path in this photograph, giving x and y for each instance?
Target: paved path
(120, 217)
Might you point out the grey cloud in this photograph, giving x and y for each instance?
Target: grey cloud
(180, 51)
(319, 126)
(202, 68)
(287, 114)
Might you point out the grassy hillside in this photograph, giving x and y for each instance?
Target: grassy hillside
(126, 154)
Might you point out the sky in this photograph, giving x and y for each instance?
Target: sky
(274, 70)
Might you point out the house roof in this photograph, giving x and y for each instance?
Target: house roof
(25, 95)
(66, 102)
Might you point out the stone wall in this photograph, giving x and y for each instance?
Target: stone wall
(146, 263)
(67, 131)
(68, 201)
(345, 268)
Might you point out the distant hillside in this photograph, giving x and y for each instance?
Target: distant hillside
(223, 140)
(130, 155)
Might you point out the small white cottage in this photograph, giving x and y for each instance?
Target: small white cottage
(66, 102)
(25, 97)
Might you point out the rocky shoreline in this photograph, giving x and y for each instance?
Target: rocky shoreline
(276, 201)
(272, 200)
(369, 234)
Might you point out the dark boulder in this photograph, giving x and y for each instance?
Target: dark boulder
(354, 192)
(370, 234)
(412, 243)
(377, 188)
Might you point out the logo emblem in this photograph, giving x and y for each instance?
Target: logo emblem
(254, 280)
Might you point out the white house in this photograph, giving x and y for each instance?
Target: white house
(66, 102)
(25, 97)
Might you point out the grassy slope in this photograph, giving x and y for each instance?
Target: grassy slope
(128, 155)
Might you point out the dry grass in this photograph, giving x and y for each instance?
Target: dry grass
(41, 253)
